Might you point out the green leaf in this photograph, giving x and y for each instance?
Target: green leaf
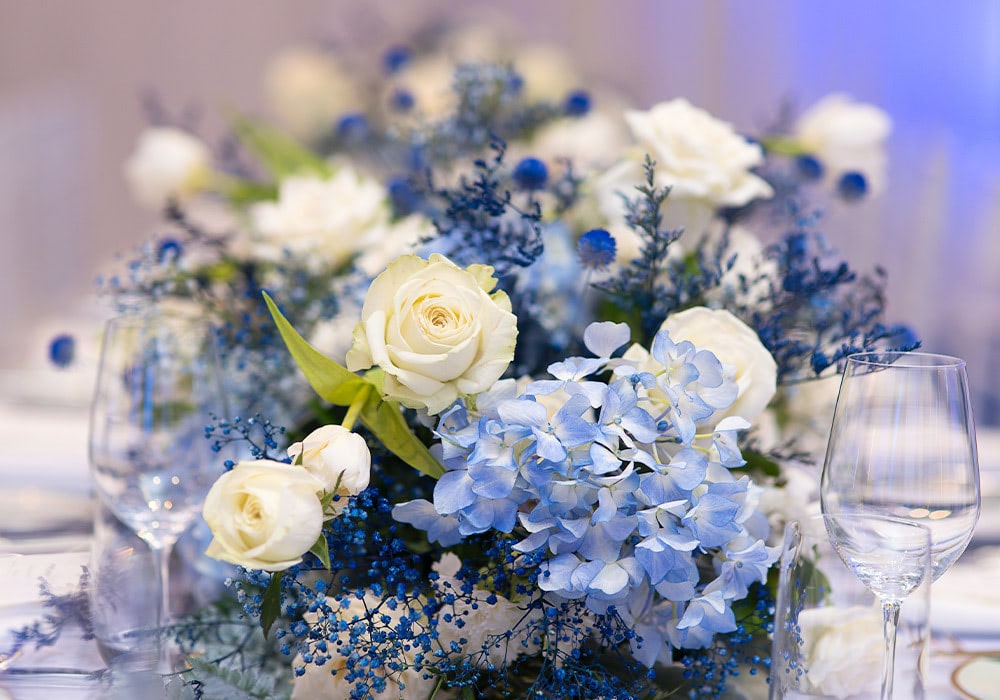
(243, 192)
(322, 550)
(278, 153)
(333, 382)
(757, 462)
(270, 605)
(337, 385)
(386, 421)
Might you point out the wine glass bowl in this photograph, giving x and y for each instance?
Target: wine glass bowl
(903, 445)
(890, 556)
(158, 388)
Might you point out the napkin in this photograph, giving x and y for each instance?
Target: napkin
(965, 601)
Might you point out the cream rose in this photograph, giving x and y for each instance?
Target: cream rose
(263, 515)
(736, 345)
(435, 330)
(846, 136)
(308, 89)
(702, 159)
(335, 455)
(167, 163)
(326, 218)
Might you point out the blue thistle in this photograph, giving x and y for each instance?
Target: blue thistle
(402, 100)
(809, 168)
(530, 174)
(596, 249)
(577, 103)
(396, 58)
(62, 350)
(852, 186)
(352, 127)
(405, 199)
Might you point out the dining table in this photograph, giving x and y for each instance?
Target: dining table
(47, 509)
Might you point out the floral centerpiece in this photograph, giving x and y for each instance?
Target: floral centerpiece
(556, 369)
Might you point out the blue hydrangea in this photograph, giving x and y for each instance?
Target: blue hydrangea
(612, 485)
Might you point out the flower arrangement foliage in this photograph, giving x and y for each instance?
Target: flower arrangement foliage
(538, 461)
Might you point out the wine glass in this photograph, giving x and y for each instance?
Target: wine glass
(158, 387)
(903, 445)
(891, 557)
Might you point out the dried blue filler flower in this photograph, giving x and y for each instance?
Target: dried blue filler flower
(530, 174)
(62, 350)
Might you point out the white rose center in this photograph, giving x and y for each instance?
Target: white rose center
(252, 517)
(439, 320)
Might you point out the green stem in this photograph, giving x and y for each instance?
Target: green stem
(357, 404)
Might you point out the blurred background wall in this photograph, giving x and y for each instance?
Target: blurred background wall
(73, 76)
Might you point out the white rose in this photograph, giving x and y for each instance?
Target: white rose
(167, 163)
(736, 345)
(548, 73)
(846, 136)
(593, 140)
(326, 218)
(802, 415)
(332, 337)
(842, 650)
(429, 81)
(333, 454)
(703, 160)
(308, 90)
(263, 515)
(751, 267)
(797, 499)
(435, 330)
(383, 244)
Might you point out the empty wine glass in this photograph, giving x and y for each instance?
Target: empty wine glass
(903, 444)
(158, 388)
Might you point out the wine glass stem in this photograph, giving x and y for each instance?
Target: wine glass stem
(890, 616)
(161, 556)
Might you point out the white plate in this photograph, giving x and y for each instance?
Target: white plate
(978, 678)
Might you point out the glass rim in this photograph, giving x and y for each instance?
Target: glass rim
(905, 358)
(153, 317)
